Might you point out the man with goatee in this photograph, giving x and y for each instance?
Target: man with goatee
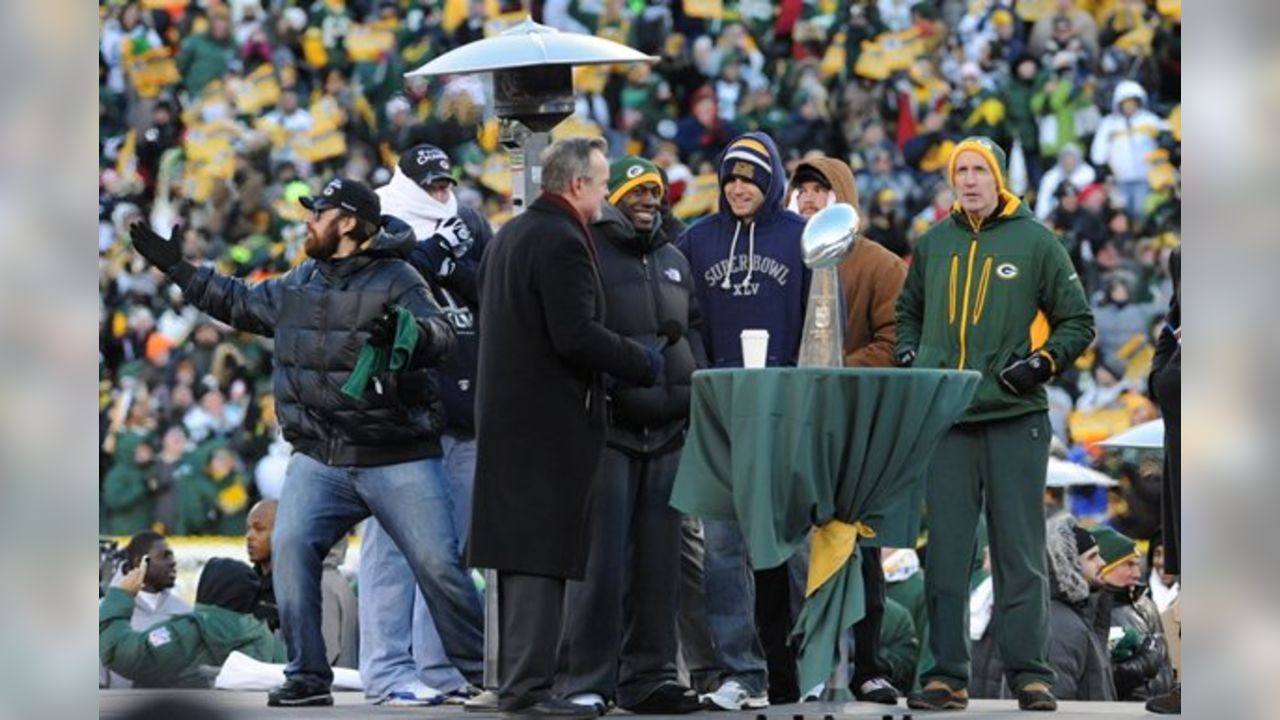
(355, 333)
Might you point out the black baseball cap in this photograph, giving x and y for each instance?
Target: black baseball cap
(349, 196)
(426, 164)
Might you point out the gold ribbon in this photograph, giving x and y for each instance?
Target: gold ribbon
(832, 546)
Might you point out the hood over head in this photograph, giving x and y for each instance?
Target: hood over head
(837, 174)
(1065, 574)
(755, 157)
(1128, 90)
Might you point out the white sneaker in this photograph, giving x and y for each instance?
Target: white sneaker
(591, 700)
(731, 695)
(414, 694)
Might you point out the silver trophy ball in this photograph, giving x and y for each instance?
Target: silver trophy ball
(829, 234)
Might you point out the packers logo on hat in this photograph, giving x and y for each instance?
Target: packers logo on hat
(634, 171)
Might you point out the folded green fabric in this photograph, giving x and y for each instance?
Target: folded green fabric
(377, 360)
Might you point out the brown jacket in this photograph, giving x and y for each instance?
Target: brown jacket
(871, 278)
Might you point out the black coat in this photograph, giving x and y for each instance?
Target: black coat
(319, 314)
(1166, 385)
(540, 409)
(647, 282)
(1148, 671)
(1078, 648)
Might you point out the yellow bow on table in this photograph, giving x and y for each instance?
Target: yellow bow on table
(833, 545)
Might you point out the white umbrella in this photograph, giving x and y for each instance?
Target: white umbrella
(1148, 435)
(1063, 474)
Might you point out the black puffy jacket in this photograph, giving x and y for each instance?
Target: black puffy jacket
(1148, 672)
(319, 313)
(647, 282)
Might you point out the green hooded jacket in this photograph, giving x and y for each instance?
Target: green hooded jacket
(169, 654)
(981, 294)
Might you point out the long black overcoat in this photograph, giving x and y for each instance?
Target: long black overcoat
(540, 405)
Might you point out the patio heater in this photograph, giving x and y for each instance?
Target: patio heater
(532, 66)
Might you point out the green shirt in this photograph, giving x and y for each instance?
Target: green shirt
(977, 299)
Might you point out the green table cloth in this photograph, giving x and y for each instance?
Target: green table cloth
(786, 450)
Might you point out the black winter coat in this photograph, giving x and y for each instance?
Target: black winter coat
(1148, 672)
(319, 314)
(1078, 649)
(540, 409)
(647, 282)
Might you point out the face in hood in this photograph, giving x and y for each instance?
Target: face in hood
(837, 174)
(755, 148)
(1128, 90)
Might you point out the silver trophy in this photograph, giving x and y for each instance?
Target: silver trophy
(827, 238)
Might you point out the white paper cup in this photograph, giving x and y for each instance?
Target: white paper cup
(755, 348)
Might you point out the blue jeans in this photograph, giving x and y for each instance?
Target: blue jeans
(731, 602)
(398, 638)
(320, 503)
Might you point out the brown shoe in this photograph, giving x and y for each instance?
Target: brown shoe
(1168, 704)
(937, 695)
(1037, 696)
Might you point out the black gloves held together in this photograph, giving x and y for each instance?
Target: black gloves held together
(1022, 376)
(164, 253)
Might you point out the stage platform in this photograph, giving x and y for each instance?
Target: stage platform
(124, 704)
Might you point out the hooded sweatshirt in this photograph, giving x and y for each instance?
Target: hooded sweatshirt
(1123, 142)
(981, 293)
(871, 277)
(749, 273)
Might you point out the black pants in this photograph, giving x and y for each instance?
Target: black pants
(775, 616)
(621, 641)
(867, 662)
(530, 614)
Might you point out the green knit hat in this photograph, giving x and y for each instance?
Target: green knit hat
(1114, 547)
(628, 172)
(989, 150)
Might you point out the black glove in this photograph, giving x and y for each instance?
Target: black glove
(657, 367)
(454, 237)
(1022, 376)
(382, 331)
(905, 358)
(162, 252)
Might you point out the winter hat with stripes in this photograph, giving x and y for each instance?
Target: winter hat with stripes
(748, 159)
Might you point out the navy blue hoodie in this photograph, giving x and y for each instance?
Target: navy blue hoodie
(750, 274)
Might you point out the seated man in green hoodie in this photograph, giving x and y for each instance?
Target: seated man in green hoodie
(171, 653)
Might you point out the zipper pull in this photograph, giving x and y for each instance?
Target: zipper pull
(377, 386)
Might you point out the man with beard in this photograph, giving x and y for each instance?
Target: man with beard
(359, 450)
(622, 643)
(540, 415)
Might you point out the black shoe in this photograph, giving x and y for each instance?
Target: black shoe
(1037, 696)
(296, 693)
(668, 699)
(876, 690)
(1167, 704)
(938, 695)
(553, 707)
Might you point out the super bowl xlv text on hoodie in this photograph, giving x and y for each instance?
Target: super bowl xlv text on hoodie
(750, 270)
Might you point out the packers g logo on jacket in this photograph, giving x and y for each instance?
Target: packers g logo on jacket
(1007, 271)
